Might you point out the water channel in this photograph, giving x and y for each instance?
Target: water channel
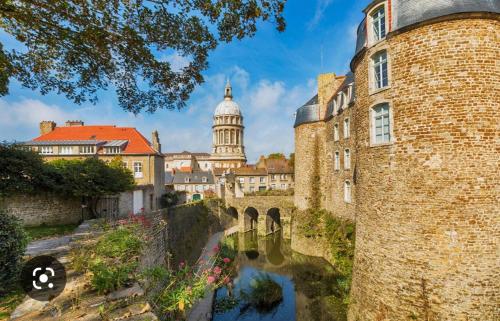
(304, 287)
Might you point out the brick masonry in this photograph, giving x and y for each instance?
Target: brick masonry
(426, 205)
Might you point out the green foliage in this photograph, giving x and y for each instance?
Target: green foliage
(10, 301)
(272, 192)
(169, 199)
(13, 241)
(276, 156)
(43, 231)
(187, 285)
(264, 294)
(24, 172)
(79, 47)
(291, 161)
(112, 260)
(315, 196)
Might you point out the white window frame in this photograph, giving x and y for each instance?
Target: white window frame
(386, 124)
(347, 158)
(283, 186)
(378, 23)
(242, 180)
(336, 133)
(347, 191)
(252, 180)
(47, 150)
(86, 149)
(65, 150)
(262, 180)
(203, 179)
(377, 70)
(347, 128)
(138, 169)
(336, 160)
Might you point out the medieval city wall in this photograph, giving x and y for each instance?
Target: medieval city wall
(427, 203)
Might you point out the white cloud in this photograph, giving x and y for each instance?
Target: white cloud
(177, 61)
(321, 6)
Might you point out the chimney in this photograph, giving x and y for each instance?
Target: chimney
(327, 85)
(46, 126)
(74, 123)
(156, 141)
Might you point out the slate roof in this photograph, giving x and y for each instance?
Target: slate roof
(308, 113)
(194, 178)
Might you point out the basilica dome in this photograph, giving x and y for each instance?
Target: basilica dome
(228, 106)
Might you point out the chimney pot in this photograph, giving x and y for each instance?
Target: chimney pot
(74, 123)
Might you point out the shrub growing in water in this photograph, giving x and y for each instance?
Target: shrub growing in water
(264, 295)
(13, 241)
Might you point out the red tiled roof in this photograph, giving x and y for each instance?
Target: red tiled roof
(137, 143)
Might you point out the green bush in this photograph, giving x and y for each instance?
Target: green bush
(13, 241)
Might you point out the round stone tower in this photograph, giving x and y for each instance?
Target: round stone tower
(427, 77)
(228, 149)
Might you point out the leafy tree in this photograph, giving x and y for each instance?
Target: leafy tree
(276, 156)
(78, 47)
(92, 179)
(23, 171)
(13, 241)
(291, 162)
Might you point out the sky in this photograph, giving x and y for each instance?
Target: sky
(272, 74)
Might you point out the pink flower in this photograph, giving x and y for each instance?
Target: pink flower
(216, 248)
(217, 270)
(182, 264)
(211, 279)
(227, 279)
(226, 260)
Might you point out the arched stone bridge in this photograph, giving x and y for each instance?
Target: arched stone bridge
(266, 214)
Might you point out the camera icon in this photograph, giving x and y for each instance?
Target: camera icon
(43, 278)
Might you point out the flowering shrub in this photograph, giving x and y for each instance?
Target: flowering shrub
(187, 285)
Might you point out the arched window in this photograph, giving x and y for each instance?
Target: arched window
(378, 24)
(347, 192)
(381, 124)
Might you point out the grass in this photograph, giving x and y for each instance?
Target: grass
(9, 302)
(44, 231)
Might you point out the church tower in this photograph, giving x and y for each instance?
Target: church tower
(228, 150)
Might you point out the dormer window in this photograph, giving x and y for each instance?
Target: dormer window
(378, 24)
(113, 150)
(87, 149)
(203, 179)
(187, 180)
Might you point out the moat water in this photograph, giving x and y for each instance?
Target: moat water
(308, 284)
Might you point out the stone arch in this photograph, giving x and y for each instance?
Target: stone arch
(273, 220)
(251, 219)
(233, 212)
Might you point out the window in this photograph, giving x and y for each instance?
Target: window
(187, 179)
(113, 150)
(252, 180)
(242, 180)
(203, 179)
(380, 74)
(124, 164)
(252, 189)
(283, 177)
(337, 161)
(273, 177)
(273, 186)
(381, 124)
(347, 159)
(138, 170)
(283, 186)
(336, 132)
(347, 192)
(378, 23)
(347, 128)
(65, 150)
(199, 188)
(87, 149)
(262, 179)
(47, 150)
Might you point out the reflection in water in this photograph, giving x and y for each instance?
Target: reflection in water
(309, 284)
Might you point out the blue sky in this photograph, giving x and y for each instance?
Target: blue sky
(272, 75)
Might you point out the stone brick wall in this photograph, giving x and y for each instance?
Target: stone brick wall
(47, 209)
(427, 204)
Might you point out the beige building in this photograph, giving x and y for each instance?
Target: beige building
(405, 147)
(76, 140)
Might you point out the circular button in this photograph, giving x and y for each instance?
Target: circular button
(43, 278)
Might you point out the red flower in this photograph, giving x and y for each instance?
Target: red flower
(211, 279)
(217, 270)
(226, 260)
(216, 248)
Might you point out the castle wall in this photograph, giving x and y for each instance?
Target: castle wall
(427, 204)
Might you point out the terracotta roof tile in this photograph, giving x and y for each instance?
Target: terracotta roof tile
(137, 143)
